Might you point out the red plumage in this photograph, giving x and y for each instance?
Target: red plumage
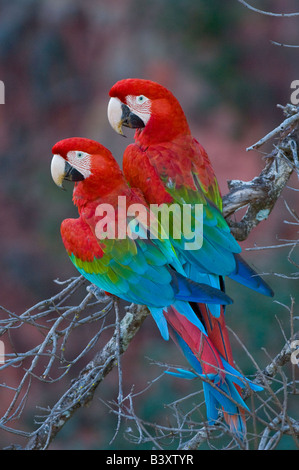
(166, 147)
(165, 155)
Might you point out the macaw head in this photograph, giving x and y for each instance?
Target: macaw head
(84, 161)
(148, 107)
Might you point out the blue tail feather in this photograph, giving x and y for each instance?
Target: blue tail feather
(160, 320)
(221, 394)
(191, 291)
(245, 275)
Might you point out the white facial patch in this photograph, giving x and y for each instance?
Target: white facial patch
(81, 161)
(141, 106)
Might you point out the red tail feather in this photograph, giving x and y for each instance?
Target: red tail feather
(201, 345)
(209, 350)
(217, 332)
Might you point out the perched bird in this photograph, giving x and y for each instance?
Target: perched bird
(116, 250)
(170, 167)
(142, 270)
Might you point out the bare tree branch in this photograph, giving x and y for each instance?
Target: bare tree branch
(281, 359)
(82, 390)
(280, 44)
(267, 13)
(270, 13)
(261, 194)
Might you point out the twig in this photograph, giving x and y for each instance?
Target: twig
(267, 13)
(119, 368)
(261, 194)
(83, 388)
(282, 358)
(278, 130)
(280, 44)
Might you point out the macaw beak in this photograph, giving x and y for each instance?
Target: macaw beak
(119, 114)
(61, 170)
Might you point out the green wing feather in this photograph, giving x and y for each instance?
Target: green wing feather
(216, 254)
(134, 269)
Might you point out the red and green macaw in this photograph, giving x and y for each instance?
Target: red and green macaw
(143, 270)
(140, 268)
(170, 166)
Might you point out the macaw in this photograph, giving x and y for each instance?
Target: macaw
(170, 166)
(140, 268)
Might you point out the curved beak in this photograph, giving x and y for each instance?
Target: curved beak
(61, 170)
(119, 114)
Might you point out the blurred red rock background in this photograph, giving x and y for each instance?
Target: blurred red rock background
(58, 60)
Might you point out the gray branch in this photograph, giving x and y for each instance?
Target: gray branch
(281, 359)
(83, 387)
(261, 194)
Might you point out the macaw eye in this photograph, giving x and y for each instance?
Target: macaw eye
(74, 155)
(80, 154)
(141, 99)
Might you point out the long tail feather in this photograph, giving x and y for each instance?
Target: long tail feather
(216, 330)
(187, 291)
(222, 383)
(245, 275)
(190, 290)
